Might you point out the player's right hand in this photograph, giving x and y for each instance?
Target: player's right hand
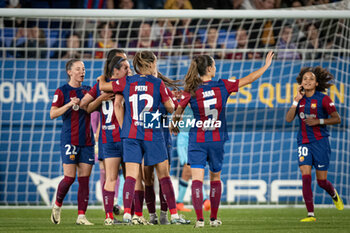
(299, 94)
(268, 59)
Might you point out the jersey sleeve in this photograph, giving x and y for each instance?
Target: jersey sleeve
(231, 85)
(58, 99)
(328, 104)
(185, 98)
(163, 92)
(93, 91)
(119, 85)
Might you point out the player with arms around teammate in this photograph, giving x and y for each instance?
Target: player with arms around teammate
(107, 104)
(313, 109)
(208, 101)
(77, 141)
(143, 93)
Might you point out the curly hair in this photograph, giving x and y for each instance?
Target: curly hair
(323, 77)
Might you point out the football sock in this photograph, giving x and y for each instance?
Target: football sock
(163, 204)
(197, 198)
(182, 190)
(108, 201)
(168, 193)
(116, 191)
(150, 198)
(215, 197)
(326, 185)
(63, 189)
(83, 194)
(128, 193)
(138, 199)
(307, 193)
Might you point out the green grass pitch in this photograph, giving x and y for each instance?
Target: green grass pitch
(234, 220)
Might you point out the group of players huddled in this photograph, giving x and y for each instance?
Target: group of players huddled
(123, 99)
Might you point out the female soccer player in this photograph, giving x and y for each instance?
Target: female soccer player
(143, 94)
(206, 141)
(77, 141)
(149, 170)
(108, 104)
(313, 107)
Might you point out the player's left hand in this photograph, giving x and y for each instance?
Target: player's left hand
(312, 121)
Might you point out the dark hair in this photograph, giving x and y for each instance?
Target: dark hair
(69, 65)
(323, 77)
(115, 63)
(197, 68)
(142, 60)
(169, 82)
(110, 55)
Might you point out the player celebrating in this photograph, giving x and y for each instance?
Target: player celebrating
(77, 150)
(143, 93)
(313, 108)
(206, 143)
(108, 103)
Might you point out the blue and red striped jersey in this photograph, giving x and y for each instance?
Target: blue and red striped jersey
(209, 106)
(143, 94)
(109, 129)
(318, 106)
(76, 129)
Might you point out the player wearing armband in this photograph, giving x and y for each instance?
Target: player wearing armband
(143, 94)
(77, 140)
(109, 105)
(313, 109)
(206, 139)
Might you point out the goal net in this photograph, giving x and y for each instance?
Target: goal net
(261, 158)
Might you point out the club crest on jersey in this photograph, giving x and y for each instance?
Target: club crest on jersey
(313, 105)
(208, 93)
(72, 157)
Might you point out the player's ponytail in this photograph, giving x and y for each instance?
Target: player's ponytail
(143, 60)
(169, 82)
(116, 63)
(69, 65)
(197, 69)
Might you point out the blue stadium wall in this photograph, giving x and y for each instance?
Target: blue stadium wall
(262, 145)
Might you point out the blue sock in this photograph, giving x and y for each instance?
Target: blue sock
(182, 190)
(205, 195)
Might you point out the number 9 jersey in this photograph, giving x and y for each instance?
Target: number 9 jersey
(109, 124)
(143, 95)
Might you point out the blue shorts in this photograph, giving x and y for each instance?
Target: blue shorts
(200, 153)
(71, 154)
(152, 152)
(100, 150)
(315, 154)
(112, 150)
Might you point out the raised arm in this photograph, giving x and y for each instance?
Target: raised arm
(292, 110)
(256, 74)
